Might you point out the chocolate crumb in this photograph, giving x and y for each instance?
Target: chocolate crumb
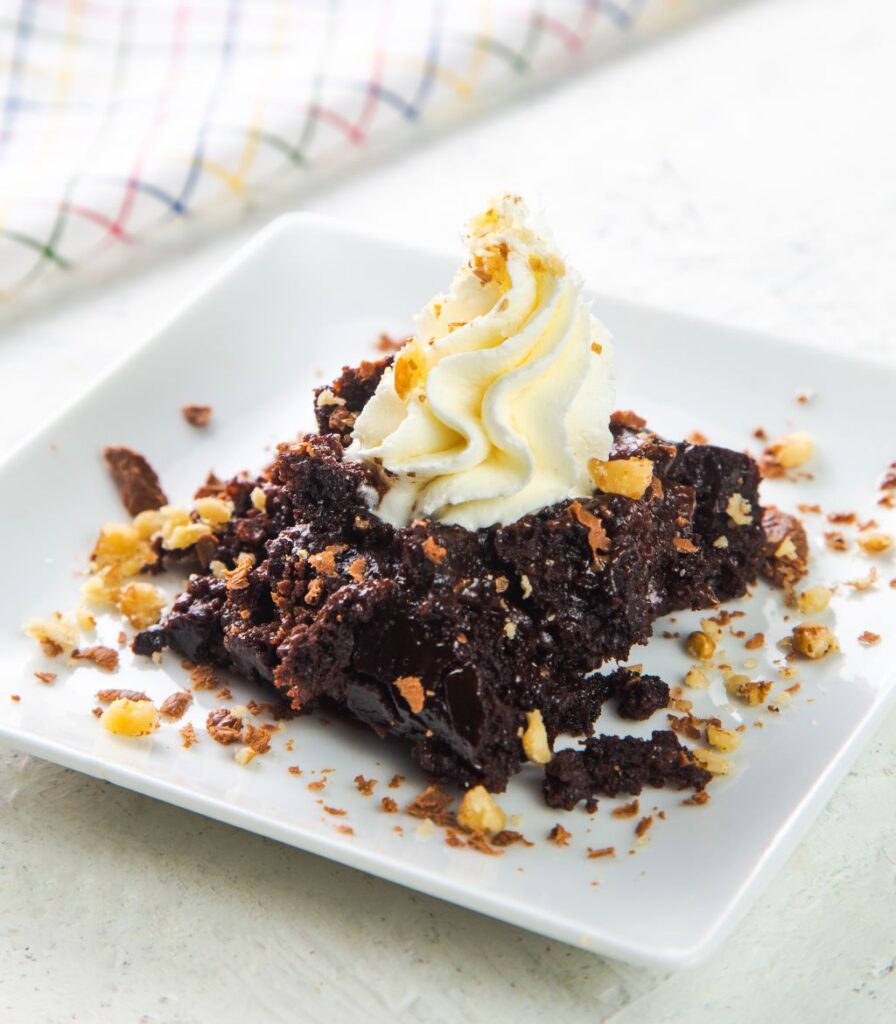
(507, 837)
(433, 805)
(137, 483)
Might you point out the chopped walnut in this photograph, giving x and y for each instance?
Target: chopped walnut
(132, 718)
(722, 739)
(238, 577)
(869, 639)
(598, 541)
(535, 739)
(214, 511)
(388, 805)
(813, 640)
(259, 499)
(711, 761)
(792, 450)
(107, 696)
(176, 704)
(141, 604)
(224, 727)
(628, 477)
(696, 678)
(56, 635)
(873, 542)
(103, 657)
(197, 416)
(752, 692)
(739, 510)
(45, 677)
(479, 812)
(814, 600)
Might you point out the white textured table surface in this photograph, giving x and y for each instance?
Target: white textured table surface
(743, 170)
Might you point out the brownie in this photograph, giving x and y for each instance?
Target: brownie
(447, 637)
(615, 765)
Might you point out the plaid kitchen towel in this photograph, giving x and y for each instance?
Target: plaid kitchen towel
(122, 116)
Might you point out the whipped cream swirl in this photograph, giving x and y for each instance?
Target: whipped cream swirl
(495, 407)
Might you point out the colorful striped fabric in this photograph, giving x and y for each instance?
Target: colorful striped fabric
(120, 116)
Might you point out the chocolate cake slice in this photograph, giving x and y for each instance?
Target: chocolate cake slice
(460, 641)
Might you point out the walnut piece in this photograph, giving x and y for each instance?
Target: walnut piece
(479, 812)
(813, 640)
(628, 477)
(132, 718)
(535, 739)
(197, 415)
(739, 510)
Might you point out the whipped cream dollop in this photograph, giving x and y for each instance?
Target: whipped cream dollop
(496, 405)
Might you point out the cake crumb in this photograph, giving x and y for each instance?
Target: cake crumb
(388, 805)
(396, 782)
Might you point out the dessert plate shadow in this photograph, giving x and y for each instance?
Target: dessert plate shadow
(284, 315)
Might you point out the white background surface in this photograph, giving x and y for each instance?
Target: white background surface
(743, 170)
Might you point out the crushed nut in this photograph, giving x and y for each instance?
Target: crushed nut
(259, 499)
(696, 678)
(722, 739)
(792, 450)
(873, 542)
(176, 704)
(700, 645)
(813, 640)
(56, 635)
(739, 510)
(711, 761)
(598, 541)
(214, 511)
(814, 600)
(480, 812)
(133, 718)
(869, 639)
(244, 755)
(103, 657)
(628, 477)
(433, 551)
(141, 604)
(197, 415)
(224, 727)
(535, 739)
(188, 735)
(753, 693)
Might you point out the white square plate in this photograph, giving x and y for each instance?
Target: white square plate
(306, 297)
